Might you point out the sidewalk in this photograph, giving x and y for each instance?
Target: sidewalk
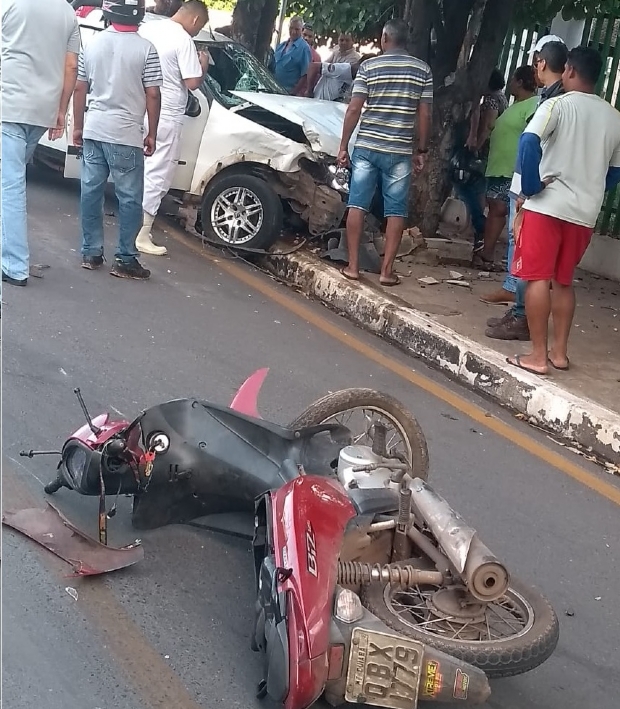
(444, 325)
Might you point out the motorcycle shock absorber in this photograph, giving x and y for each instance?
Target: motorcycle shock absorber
(400, 548)
(355, 573)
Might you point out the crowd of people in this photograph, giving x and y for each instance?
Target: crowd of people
(542, 174)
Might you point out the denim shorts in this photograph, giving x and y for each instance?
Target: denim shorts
(499, 188)
(370, 169)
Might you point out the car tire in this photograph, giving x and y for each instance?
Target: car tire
(263, 212)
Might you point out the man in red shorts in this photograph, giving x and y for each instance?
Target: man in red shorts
(569, 155)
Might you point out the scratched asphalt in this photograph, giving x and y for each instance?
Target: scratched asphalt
(194, 330)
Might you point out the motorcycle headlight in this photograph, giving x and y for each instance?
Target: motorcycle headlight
(348, 607)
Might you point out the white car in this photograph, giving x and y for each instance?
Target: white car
(252, 156)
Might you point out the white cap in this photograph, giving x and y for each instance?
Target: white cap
(542, 41)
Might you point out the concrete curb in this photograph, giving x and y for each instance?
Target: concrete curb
(572, 418)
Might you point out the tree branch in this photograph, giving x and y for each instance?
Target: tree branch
(493, 29)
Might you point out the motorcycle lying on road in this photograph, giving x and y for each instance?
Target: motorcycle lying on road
(370, 588)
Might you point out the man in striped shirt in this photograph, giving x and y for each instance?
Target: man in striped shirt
(121, 72)
(394, 87)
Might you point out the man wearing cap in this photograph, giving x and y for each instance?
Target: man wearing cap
(549, 59)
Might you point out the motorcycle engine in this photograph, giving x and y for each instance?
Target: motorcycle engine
(352, 457)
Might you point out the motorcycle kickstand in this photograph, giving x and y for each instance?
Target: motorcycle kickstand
(261, 690)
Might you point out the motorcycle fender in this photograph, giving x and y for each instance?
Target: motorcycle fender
(245, 400)
(277, 661)
(444, 678)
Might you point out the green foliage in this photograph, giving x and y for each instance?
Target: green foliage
(362, 17)
(223, 5)
(532, 11)
(365, 17)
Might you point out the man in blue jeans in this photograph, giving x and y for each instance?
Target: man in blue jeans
(121, 71)
(40, 45)
(394, 87)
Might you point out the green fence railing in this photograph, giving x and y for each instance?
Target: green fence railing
(603, 34)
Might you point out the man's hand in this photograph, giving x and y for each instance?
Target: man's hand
(419, 162)
(519, 203)
(58, 130)
(203, 58)
(149, 145)
(343, 158)
(77, 137)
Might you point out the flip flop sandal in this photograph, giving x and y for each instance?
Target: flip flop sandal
(516, 362)
(348, 276)
(392, 282)
(561, 369)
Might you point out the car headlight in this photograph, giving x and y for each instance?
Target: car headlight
(348, 607)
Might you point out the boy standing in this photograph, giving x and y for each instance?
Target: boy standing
(122, 73)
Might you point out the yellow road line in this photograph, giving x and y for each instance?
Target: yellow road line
(461, 404)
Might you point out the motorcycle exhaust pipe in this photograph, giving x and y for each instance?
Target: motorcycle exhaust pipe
(486, 578)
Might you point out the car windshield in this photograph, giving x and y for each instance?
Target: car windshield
(236, 69)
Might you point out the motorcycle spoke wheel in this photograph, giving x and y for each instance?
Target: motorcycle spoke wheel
(513, 635)
(360, 421)
(359, 410)
(509, 617)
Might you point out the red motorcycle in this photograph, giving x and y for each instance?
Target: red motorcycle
(370, 588)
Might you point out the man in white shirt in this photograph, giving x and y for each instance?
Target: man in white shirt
(330, 82)
(183, 69)
(40, 47)
(569, 155)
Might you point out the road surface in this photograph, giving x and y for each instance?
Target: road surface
(174, 630)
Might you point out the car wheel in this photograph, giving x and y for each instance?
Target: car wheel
(243, 211)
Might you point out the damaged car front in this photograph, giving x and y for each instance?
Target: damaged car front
(265, 158)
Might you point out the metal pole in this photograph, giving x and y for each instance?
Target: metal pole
(281, 16)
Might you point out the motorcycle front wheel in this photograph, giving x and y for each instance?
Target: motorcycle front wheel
(358, 410)
(511, 636)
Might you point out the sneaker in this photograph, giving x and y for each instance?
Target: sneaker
(512, 328)
(130, 269)
(92, 263)
(494, 322)
(14, 281)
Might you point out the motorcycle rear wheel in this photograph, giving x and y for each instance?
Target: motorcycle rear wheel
(527, 648)
(334, 407)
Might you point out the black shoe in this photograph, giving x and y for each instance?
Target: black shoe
(494, 322)
(92, 263)
(14, 281)
(130, 269)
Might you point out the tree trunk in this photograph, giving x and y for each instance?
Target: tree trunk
(253, 23)
(454, 99)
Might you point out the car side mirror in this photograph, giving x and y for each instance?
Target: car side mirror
(192, 108)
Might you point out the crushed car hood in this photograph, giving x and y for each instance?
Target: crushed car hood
(321, 121)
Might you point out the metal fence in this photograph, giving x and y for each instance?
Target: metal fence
(603, 34)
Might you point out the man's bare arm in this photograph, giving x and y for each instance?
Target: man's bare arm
(314, 72)
(153, 107)
(79, 107)
(351, 119)
(425, 117)
(68, 86)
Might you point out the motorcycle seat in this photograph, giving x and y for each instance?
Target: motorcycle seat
(373, 501)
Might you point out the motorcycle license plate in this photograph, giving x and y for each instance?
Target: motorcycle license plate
(384, 670)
